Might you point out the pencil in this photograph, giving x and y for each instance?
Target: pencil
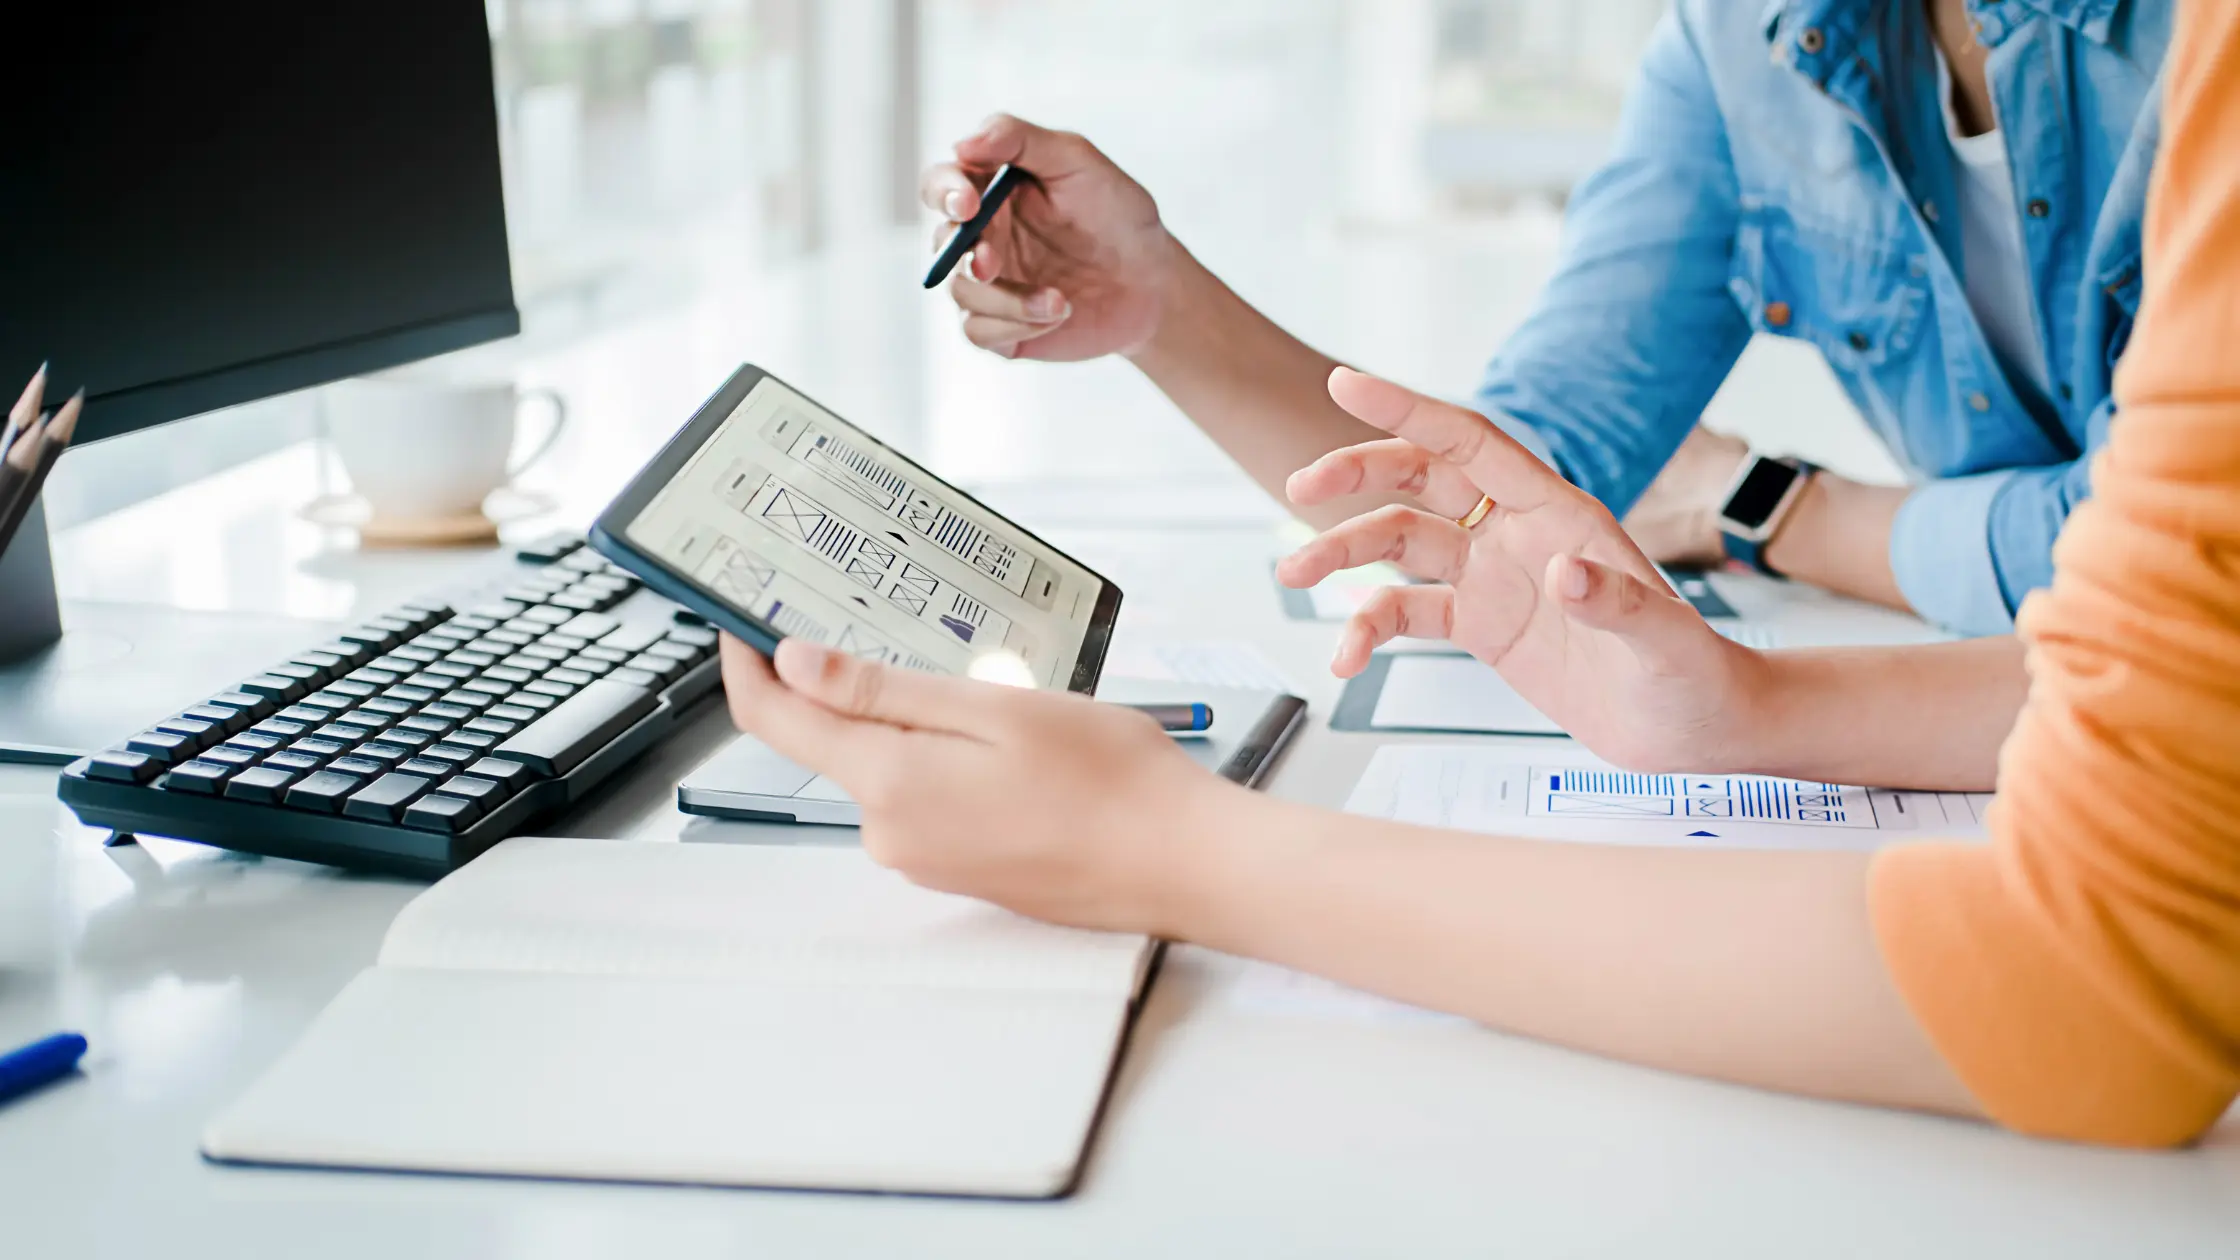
(24, 412)
(54, 435)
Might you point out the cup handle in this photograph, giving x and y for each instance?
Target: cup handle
(551, 435)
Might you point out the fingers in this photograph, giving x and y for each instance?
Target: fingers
(856, 688)
(1001, 315)
(1047, 154)
(796, 726)
(1420, 544)
(949, 190)
(1419, 612)
(34, 396)
(1393, 464)
(1492, 460)
(1657, 624)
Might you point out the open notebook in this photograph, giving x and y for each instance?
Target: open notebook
(720, 1014)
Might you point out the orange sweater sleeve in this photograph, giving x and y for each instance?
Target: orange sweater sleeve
(2081, 973)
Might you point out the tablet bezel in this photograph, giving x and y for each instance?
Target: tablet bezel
(609, 537)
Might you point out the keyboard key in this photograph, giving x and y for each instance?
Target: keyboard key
(496, 610)
(531, 700)
(257, 741)
(201, 732)
(510, 638)
(348, 651)
(383, 751)
(441, 812)
(484, 792)
(588, 665)
(591, 627)
(428, 768)
(203, 778)
(493, 726)
(572, 677)
(448, 712)
(430, 682)
(373, 637)
(228, 755)
(282, 727)
(477, 740)
(546, 652)
(385, 704)
(425, 724)
(323, 792)
(225, 717)
(341, 733)
(608, 584)
(425, 612)
(495, 688)
(362, 721)
(547, 686)
(567, 643)
(633, 639)
(306, 677)
(547, 550)
(522, 625)
(328, 663)
(331, 700)
(445, 639)
(585, 561)
(510, 712)
(677, 652)
(560, 740)
(579, 601)
(376, 677)
(384, 799)
(406, 739)
(164, 747)
(601, 652)
(420, 655)
(703, 639)
(288, 759)
(251, 706)
(452, 669)
(476, 700)
(473, 624)
(397, 627)
(360, 766)
(453, 754)
(635, 677)
(530, 665)
(510, 675)
(122, 765)
(548, 616)
(261, 786)
(314, 746)
(665, 668)
(528, 593)
(472, 659)
(412, 694)
(510, 776)
(309, 715)
(275, 687)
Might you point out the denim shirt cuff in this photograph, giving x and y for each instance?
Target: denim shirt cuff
(1940, 553)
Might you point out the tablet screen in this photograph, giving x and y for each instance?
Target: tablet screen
(804, 522)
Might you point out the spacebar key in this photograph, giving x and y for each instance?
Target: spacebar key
(577, 727)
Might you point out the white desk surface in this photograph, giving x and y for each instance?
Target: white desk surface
(1235, 1130)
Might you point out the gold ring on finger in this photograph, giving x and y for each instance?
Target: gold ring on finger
(1478, 513)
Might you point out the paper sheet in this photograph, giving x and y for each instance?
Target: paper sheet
(1571, 796)
(1453, 693)
(1202, 662)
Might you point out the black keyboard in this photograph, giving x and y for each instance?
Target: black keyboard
(416, 741)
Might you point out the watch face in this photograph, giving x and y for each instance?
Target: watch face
(1753, 501)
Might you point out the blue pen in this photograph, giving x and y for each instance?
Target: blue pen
(38, 1063)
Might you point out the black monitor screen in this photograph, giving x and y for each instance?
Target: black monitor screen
(202, 204)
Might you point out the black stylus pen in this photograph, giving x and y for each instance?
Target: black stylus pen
(1007, 177)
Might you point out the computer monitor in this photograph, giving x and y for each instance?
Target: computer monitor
(202, 205)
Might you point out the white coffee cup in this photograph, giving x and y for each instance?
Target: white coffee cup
(428, 450)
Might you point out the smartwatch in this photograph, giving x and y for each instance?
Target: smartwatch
(1759, 498)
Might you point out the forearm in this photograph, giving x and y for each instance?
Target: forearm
(1838, 537)
(1260, 393)
(1929, 716)
(1753, 967)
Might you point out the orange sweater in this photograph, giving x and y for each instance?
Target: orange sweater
(2082, 972)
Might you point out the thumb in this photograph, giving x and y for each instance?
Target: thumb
(1657, 624)
(1041, 152)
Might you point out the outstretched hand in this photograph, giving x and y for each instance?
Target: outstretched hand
(1546, 587)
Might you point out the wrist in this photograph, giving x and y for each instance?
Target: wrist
(1215, 842)
(1182, 290)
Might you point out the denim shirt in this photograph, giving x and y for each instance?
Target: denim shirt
(1783, 169)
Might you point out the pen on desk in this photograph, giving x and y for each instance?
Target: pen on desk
(1007, 178)
(1182, 718)
(24, 1070)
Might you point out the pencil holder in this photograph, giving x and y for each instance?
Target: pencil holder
(30, 619)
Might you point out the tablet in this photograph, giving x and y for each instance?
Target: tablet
(771, 516)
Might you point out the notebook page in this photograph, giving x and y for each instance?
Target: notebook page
(813, 916)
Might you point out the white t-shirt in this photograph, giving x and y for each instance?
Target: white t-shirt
(1996, 269)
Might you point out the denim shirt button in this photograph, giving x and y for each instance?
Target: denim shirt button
(1777, 314)
(1810, 40)
(2039, 208)
(1980, 401)
(1859, 340)
(1929, 211)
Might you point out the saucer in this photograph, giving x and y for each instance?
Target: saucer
(504, 506)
